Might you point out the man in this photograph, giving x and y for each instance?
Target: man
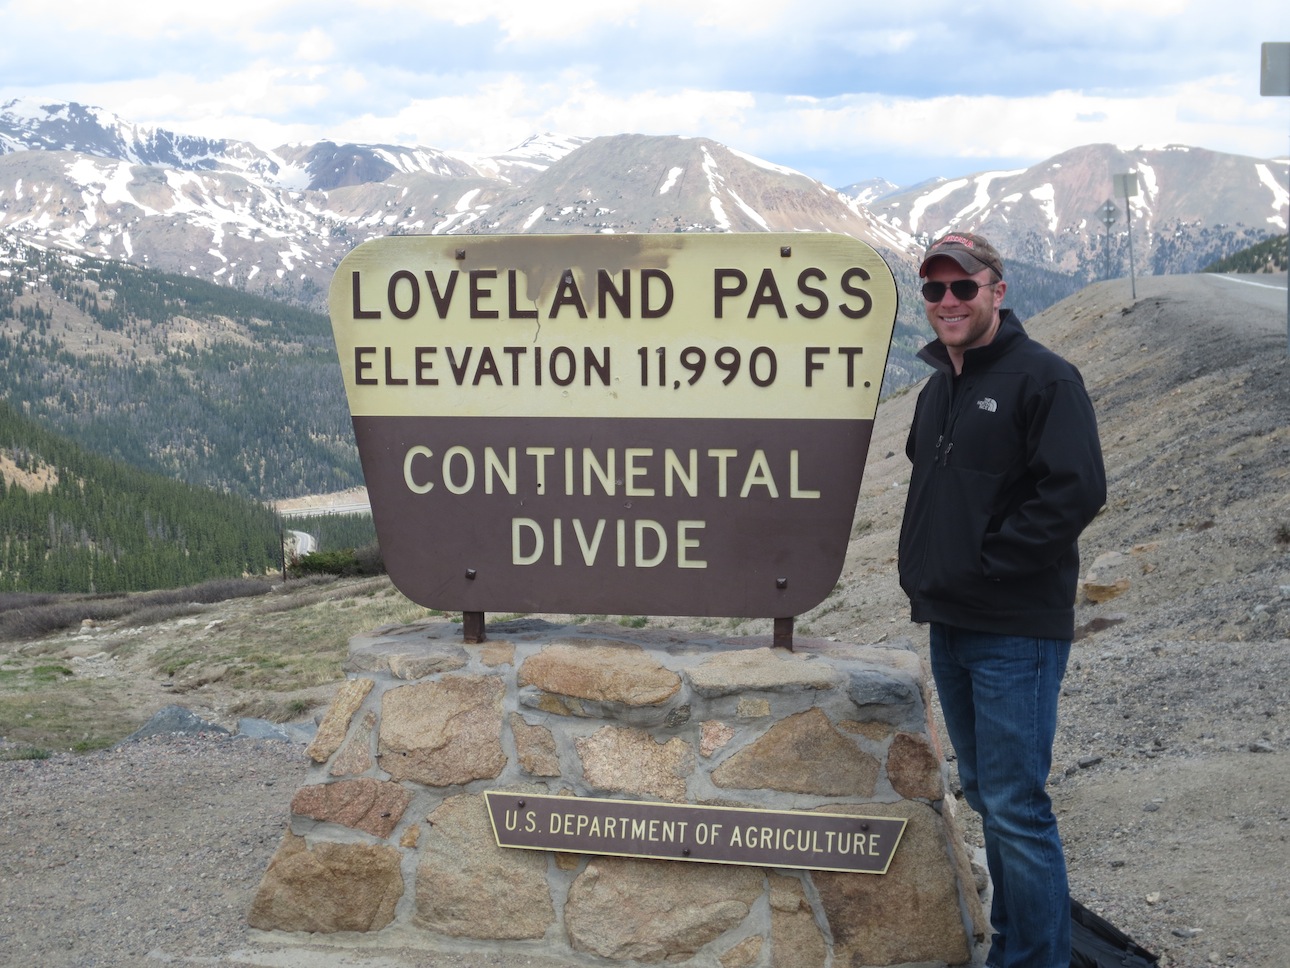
(1007, 471)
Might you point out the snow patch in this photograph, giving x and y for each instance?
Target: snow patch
(528, 223)
(1280, 196)
(981, 199)
(719, 214)
(1046, 196)
(672, 175)
(763, 163)
(464, 203)
(931, 198)
(749, 211)
(1150, 187)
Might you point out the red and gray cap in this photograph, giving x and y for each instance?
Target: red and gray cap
(971, 252)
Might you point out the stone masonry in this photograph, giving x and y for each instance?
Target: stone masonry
(390, 832)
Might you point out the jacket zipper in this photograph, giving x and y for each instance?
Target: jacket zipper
(952, 412)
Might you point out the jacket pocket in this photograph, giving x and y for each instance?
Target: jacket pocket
(960, 516)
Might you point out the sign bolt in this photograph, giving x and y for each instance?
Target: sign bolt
(781, 583)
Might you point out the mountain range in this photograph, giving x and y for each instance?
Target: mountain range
(277, 221)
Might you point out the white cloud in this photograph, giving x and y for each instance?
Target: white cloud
(145, 19)
(315, 45)
(840, 89)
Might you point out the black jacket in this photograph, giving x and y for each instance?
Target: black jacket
(1007, 472)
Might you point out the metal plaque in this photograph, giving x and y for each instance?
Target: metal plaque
(661, 424)
(712, 835)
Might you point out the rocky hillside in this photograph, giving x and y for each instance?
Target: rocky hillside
(1192, 207)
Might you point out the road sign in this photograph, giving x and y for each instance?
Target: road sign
(1274, 73)
(1126, 185)
(650, 424)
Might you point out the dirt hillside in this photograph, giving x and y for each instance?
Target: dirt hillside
(1172, 775)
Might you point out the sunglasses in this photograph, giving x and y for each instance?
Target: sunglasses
(964, 290)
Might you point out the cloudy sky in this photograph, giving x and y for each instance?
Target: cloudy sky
(840, 89)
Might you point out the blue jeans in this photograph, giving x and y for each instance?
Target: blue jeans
(999, 694)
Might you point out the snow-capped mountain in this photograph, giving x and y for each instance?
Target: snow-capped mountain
(1192, 207)
(278, 221)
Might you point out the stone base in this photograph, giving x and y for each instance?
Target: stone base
(391, 835)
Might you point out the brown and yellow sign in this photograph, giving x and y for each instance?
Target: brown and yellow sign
(703, 834)
(670, 424)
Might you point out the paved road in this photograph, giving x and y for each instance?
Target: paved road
(304, 543)
(356, 508)
(1263, 291)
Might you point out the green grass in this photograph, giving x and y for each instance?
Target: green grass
(267, 653)
(23, 753)
(36, 675)
(65, 714)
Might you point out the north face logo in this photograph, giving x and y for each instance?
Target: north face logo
(988, 404)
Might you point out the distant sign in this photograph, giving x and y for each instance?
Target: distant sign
(1274, 70)
(703, 834)
(674, 424)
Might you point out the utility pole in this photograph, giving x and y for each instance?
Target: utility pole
(1274, 81)
(1127, 185)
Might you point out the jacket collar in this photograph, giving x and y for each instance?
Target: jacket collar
(1009, 334)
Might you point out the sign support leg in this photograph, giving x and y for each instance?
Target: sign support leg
(784, 633)
(472, 627)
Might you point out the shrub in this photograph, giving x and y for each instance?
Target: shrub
(347, 563)
(34, 616)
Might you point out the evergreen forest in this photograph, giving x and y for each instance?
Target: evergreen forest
(1268, 256)
(75, 521)
(202, 383)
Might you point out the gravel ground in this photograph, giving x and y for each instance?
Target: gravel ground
(1172, 771)
(150, 853)
(152, 846)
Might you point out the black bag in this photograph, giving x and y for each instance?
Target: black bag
(1097, 943)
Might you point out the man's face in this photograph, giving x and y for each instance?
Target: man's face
(964, 324)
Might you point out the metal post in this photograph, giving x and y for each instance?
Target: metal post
(1127, 185)
(472, 627)
(1128, 214)
(783, 636)
(1274, 81)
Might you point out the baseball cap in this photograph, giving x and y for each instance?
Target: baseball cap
(971, 252)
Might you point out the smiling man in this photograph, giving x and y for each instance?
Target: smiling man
(1007, 471)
